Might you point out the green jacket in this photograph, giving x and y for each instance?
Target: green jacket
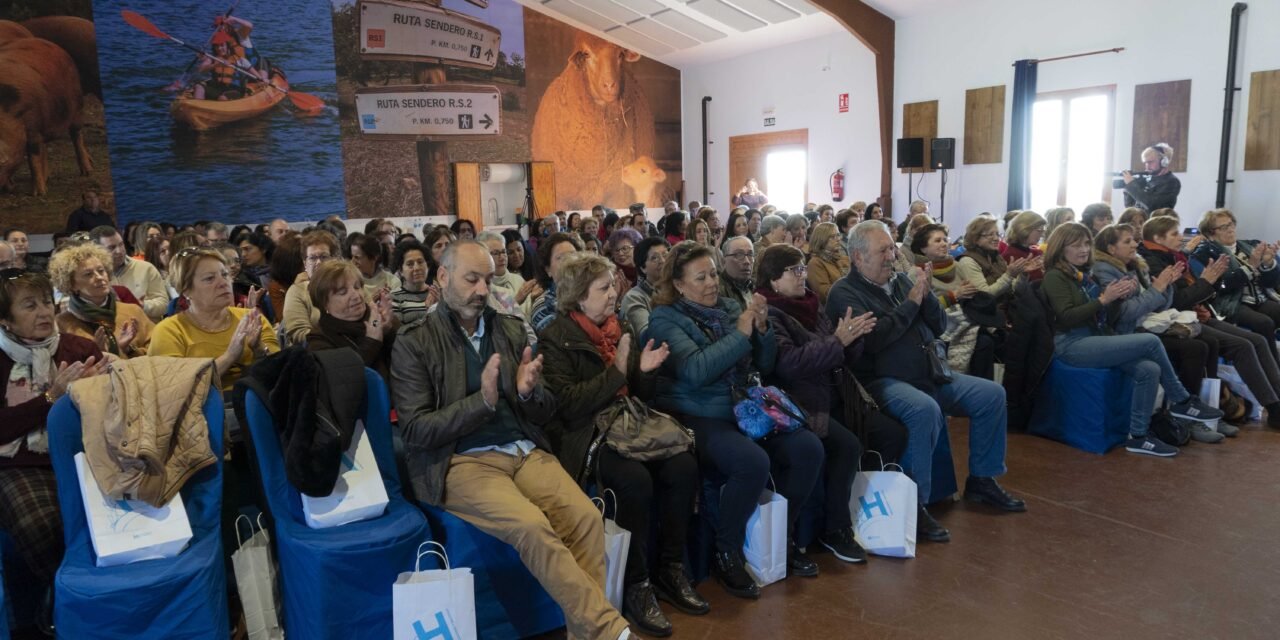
(1073, 311)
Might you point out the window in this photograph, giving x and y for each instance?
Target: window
(787, 170)
(1071, 146)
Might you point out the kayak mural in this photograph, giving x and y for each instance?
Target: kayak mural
(422, 87)
(239, 133)
(49, 157)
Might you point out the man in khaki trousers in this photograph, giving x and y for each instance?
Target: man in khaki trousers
(469, 398)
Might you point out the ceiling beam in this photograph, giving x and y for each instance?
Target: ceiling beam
(876, 31)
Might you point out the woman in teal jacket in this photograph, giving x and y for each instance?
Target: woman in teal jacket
(716, 347)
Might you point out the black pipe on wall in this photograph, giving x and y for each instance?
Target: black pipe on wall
(1229, 100)
(705, 195)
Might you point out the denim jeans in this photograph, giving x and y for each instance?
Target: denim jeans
(925, 415)
(1140, 355)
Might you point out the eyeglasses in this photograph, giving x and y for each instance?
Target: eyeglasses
(624, 248)
(1225, 227)
(798, 271)
(318, 259)
(741, 255)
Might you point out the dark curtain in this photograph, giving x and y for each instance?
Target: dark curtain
(1024, 99)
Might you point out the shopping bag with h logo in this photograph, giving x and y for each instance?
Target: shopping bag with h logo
(766, 546)
(359, 493)
(617, 546)
(435, 604)
(883, 505)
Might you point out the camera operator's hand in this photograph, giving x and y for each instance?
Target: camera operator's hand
(1128, 176)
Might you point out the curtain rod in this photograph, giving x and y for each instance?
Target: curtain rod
(1076, 55)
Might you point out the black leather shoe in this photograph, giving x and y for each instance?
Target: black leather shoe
(799, 564)
(640, 608)
(844, 545)
(672, 585)
(730, 571)
(929, 529)
(987, 491)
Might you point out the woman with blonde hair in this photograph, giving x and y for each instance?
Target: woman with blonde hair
(981, 264)
(1023, 242)
(1057, 217)
(827, 262)
(347, 320)
(83, 274)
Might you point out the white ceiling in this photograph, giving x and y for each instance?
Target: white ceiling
(685, 33)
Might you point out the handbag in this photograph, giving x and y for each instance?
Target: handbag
(637, 432)
(765, 411)
(939, 371)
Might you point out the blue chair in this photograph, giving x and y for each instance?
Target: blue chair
(510, 603)
(181, 597)
(4, 608)
(336, 582)
(1085, 408)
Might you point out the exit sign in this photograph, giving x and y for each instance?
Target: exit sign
(769, 122)
(844, 103)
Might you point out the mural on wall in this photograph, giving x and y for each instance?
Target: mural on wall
(53, 144)
(421, 87)
(240, 133)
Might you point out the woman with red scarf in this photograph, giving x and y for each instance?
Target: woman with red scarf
(811, 354)
(590, 359)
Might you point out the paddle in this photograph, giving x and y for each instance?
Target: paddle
(185, 79)
(303, 101)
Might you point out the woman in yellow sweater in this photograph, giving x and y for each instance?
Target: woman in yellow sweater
(82, 273)
(211, 327)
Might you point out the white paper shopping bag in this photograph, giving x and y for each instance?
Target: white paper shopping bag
(256, 583)
(766, 545)
(434, 605)
(617, 546)
(884, 509)
(359, 493)
(124, 531)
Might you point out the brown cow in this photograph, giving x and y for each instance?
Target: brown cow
(76, 36)
(592, 121)
(40, 100)
(10, 30)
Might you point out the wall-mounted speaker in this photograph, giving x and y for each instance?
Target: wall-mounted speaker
(910, 153)
(944, 153)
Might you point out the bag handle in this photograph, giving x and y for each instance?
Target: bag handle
(262, 528)
(442, 554)
(239, 540)
(603, 506)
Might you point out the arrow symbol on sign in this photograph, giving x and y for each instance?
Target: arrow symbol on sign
(486, 121)
(488, 55)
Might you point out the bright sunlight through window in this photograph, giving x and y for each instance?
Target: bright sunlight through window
(787, 171)
(1070, 138)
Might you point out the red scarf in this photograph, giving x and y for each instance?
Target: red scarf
(803, 309)
(1178, 258)
(604, 338)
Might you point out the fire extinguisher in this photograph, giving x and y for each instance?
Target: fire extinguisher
(837, 185)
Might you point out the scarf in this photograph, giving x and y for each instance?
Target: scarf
(38, 356)
(1138, 267)
(804, 309)
(628, 271)
(1091, 290)
(338, 330)
(716, 323)
(98, 316)
(1178, 258)
(604, 338)
(944, 270)
(993, 266)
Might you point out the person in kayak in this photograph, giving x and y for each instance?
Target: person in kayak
(224, 82)
(239, 29)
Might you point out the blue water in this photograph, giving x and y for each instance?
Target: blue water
(275, 165)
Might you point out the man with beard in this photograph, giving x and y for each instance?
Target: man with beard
(471, 401)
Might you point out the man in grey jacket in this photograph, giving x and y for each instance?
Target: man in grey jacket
(470, 402)
(896, 367)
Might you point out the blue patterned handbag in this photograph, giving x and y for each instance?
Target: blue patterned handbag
(765, 411)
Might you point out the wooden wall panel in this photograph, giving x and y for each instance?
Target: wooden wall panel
(542, 179)
(1262, 132)
(984, 125)
(466, 182)
(1161, 113)
(747, 155)
(920, 120)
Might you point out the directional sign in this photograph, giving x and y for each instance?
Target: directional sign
(391, 30)
(446, 110)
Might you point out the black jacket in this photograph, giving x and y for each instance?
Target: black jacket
(1157, 193)
(84, 220)
(315, 399)
(1028, 351)
(1186, 295)
(573, 370)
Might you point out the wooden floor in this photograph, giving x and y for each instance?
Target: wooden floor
(1114, 546)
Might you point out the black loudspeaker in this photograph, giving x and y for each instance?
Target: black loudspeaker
(910, 153)
(944, 153)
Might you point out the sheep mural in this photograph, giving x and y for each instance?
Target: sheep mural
(593, 121)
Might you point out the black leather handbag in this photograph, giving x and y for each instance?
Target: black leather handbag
(936, 351)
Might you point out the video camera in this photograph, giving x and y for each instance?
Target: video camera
(1118, 181)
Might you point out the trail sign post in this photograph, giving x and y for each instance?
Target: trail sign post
(391, 30)
(442, 110)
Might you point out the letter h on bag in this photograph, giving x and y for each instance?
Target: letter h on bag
(878, 503)
(441, 632)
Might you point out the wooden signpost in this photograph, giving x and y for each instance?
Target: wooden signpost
(391, 30)
(446, 110)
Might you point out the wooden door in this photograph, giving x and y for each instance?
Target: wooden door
(466, 186)
(748, 155)
(542, 179)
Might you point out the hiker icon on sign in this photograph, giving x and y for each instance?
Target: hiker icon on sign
(475, 51)
(464, 121)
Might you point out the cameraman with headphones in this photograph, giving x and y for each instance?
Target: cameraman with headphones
(1161, 188)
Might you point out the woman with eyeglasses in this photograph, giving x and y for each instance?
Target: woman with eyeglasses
(82, 273)
(650, 255)
(415, 296)
(718, 349)
(981, 264)
(813, 357)
(1244, 291)
(300, 316)
(38, 364)
(622, 250)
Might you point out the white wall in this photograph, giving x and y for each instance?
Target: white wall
(967, 45)
(791, 79)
